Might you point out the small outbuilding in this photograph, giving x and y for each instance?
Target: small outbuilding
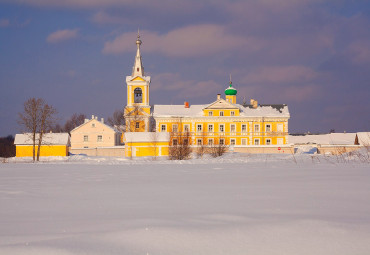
(53, 144)
(142, 144)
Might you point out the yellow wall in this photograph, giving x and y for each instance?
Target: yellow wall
(45, 150)
(145, 149)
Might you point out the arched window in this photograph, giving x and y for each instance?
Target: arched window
(138, 95)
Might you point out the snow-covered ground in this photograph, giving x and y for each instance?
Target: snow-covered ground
(237, 204)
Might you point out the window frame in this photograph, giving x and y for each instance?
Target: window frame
(268, 141)
(186, 128)
(245, 128)
(201, 127)
(244, 141)
(99, 138)
(256, 140)
(232, 126)
(86, 138)
(221, 113)
(137, 125)
(269, 128)
(232, 141)
(232, 113)
(223, 128)
(210, 113)
(165, 128)
(173, 128)
(199, 142)
(210, 126)
(258, 128)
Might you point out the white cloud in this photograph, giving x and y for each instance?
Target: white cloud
(62, 35)
(190, 41)
(4, 22)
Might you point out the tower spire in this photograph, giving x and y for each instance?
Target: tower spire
(138, 69)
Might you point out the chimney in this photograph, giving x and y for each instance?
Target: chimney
(102, 120)
(186, 104)
(86, 120)
(92, 117)
(218, 96)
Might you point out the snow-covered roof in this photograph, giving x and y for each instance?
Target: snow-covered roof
(332, 139)
(146, 136)
(197, 111)
(47, 139)
(95, 119)
(364, 138)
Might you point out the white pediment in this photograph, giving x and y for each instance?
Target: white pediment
(221, 104)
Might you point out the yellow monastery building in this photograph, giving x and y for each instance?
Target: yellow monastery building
(245, 128)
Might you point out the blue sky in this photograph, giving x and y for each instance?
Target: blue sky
(313, 55)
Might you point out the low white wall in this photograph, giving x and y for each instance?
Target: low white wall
(115, 151)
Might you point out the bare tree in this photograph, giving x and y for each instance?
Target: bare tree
(219, 147)
(74, 121)
(134, 119)
(202, 144)
(47, 119)
(180, 143)
(37, 117)
(117, 119)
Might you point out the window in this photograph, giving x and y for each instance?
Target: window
(244, 141)
(174, 128)
(256, 128)
(174, 142)
(268, 128)
(137, 124)
(163, 128)
(199, 141)
(210, 128)
(186, 141)
(93, 125)
(100, 138)
(222, 141)
(280, 128)
(232, 142)
(232, 113)
(138, 95)
(210, 142)
(222, 128)
(244, 128)
(186, 128)
(86, 138)
(280, 141)
(210, 113)
(256, 141)
(199, 127)
(232, 128)
(268, 141)
(221, 113)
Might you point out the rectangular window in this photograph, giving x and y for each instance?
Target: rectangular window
(210, 142)
(232, 113)
(221, 113)
(163, 128)
(256, 141)
(222, 128)
(280, 128)
(256, 128)
(174, 142)
(244, 128)
(280, 141)
(186, 128)
(232, 142)
(244, 141)
(268, 141)
(93, 125)
(137, 125)
(232, 128)
(174, 128)
(86, 138)
(268, 128)
(210, 128)
(222, 141)
(186, 141)
(210, 113)
(199, 127)
(199, 141)
(100, 138)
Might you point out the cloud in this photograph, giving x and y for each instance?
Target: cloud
(4, 22)
(359, 52)
(280, 74)
(190, 41)
(62, 35)
(185, 89)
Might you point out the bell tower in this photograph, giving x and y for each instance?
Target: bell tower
(137, 111)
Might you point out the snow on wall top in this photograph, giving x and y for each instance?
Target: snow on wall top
(363, 138)
(47, 139)
(197, 111)
(331, 139)
(146, 136)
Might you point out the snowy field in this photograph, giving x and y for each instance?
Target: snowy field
(238, 204)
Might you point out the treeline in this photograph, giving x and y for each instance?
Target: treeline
(7, 147)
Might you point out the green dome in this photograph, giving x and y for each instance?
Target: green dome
(230, 91)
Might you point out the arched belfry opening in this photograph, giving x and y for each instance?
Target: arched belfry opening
(138, 95)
